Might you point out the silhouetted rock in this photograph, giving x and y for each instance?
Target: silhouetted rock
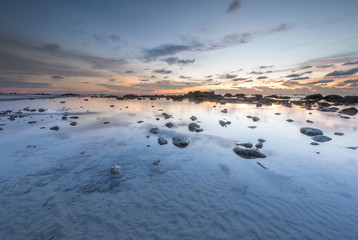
(314, 96)
(349, 111)
(73, 123)
(222, 123)
(224, 110)
(166, 116)
(314, 143)
(261, 140)
(55, 128)
(309, 121)
(248, 153)
(255, 119)
(180, 142)
(333, 98)
(289, 120)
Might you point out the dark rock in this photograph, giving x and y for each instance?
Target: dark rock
(140, 121)
(262, 165)
(115, 170)
(180, 142)
(339, 133)
(156, 162)
(321, 138)
(309, 121)
(248, 153)
(222, 123)
(32, 122)
(111, 105)
(55, 128)
(252, 127)
(349, 111)
(255, 119)
(259, 145)
(162, 140)
(166, 116)
(261, 140)
(169, 125)
(154, 130)
(64, 118)
(314, 143)
(105, 122)
(194, 127)
(311, 131)
(62, 102)
(246, 144)
(41, 110)
(333, 98)
(350, 99)
(277, 113)
(314, 96)
(193, 118)
(73, 123)
(74, 117)
(289, 120)
(224, 110)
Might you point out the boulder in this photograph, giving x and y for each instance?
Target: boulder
(224, 110)
(290, 120)
(73, 123)
(166, 115)
(261, 140)
(259, 145)
(180, 142)
(255, 119)
(248, 153)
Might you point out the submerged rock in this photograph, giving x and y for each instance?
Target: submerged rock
(311, 131)
(156, 162)
(224, 110)
(309, 121)
(140, 121)
(194, 127)
(248, 153)
(321, 138)
(222, 123)
(259, 145)
(339, 133)
(262, 165)
(166, 116)
(255, 119)
(169, 125)
(180, 142)
(154, 130)
(314, 143)
(73, 123)
(162, 140)
(116, 169)
(261, 140)
(252, 127)
(349, 111)
(193, 118)
(290, 120)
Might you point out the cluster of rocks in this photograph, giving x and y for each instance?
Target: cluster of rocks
(246, 150)
(224, 123)
(315, 134)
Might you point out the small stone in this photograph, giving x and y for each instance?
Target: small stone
(106, 123)
(156, 162)
(140, 121)
(193, 118)
(261, 140)
(309, 121)
(116, 169)
(55, 128)
(73, 123)
(74, 117)
(157, 119)
(224, 110)
(339, 133)
(255, 119)
(314, 143)
(262, 165)
(147, 146)
(41, 110)
(162, 140)
(252, 127)
(32, 122)
(194, 127)
(169, 125)
(349, 111)
(246, 144)
(111, 105)
(277, 113)
(290, 120)
(259, 145)
(248, 153)
(166, 116)
(310, 131)
(222, 123)
(154, 130)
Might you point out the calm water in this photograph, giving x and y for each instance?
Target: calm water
(57, 184)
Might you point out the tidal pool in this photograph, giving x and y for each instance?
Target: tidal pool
(58, 185)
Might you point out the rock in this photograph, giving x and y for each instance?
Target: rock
(115, 170)
(194, 127)
(74, 117)
(321, 138)
(228, 122)
(339, 133)
(32, 122)
(41, 110)
(277, 113)
(166, 116)
(111, 105)
(314, 143)
(62, 102)
(224, 110)
(259, 145)
(262, 165)
(261, 140)
(140, 121)
(246, 144)
(222, 123)
(157, 119)
(73, 123)
(248, 153)
(255, 119)
(105, 122)
(1, 129)
(290, 120)
(154, 130)
(64, 118)
(147, 146)
(55, 128)
(309, 121)
(180, 142)
(156, 162)
(169, 125)
(311, 131)
(252, 127)
(349, 111)
(193, 118)
(314, 96)
(249, 116)
(162, 140)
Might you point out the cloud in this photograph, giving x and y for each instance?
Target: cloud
(164, 50)
(325, 66)
(349, 83)
(300, 78)
(263, 67)
(184, 77)
(351, 62)
(51, 47)
(230, 76)
(105, 38)
(256, 73)
(85, 82)
(343, 72)
(144, 80)
(162, 71)
(129, 72)
(281, 28)
(261, 77)
(57, 78)
(293, 75)
(319, 82)
(112, 80)
(234, 6)
(21, 84)
(305, 67)
(175, 60)
(239, 79)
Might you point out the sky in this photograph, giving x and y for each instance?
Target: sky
(173, 47)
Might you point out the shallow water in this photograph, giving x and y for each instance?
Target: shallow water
(57, 184)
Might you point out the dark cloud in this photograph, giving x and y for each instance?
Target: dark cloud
(300, 78)
(129, 72)
(351, 62)
(234, 6)
(209, 76)
(305, 67)
(343, 72)
(281, 28)
(52, 47)
(229, 76)
(184, 77)
(348, 83)
(57, 78)
(175, 60)
(105, 38)
(256, 73)
(85, 82)
(144, 80)
(325, 66)
(21, 84)
(263, 67)
(293, 75)
(164, 50)
(162, 71)
(153, 76)
(319, 82)
(239, 79)
(112, 80)
(261, 77)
